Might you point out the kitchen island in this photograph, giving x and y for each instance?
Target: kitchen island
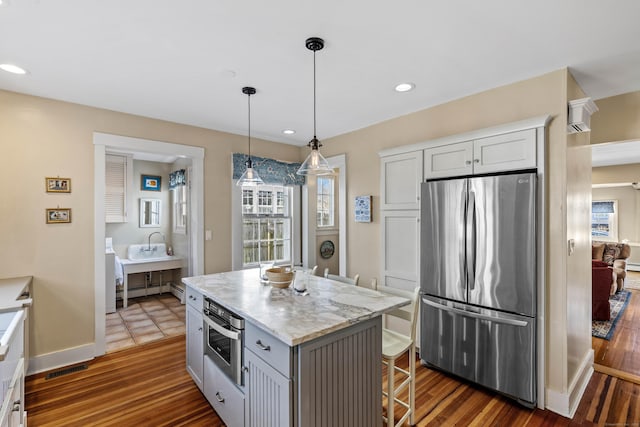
(307, 360)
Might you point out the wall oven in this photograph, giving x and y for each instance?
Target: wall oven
(224, 339)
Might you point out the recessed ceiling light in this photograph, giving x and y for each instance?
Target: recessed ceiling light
(10, 68)
(405, 87)
(288, 131)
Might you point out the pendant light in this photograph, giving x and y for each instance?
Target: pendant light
(250, 176)
(315, 164)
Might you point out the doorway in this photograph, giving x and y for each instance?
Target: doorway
(115, 143)
(615, 174)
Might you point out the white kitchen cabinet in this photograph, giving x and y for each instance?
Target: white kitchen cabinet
(400, 248)
(195, 340)
(499, 153)
(12, 413)
(449, 160)
(401, 175)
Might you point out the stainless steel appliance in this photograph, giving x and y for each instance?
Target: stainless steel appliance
(478, 280)
(224, 339)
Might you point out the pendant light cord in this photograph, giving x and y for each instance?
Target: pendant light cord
(249, 123)
(314, 96)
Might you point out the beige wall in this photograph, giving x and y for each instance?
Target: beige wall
(578, 271)
(619, 173)
(42, 137)
(618, 118)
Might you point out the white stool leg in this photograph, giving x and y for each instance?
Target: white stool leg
(391, 392)
(412, 384)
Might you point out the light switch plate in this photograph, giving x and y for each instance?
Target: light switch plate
(572, 246)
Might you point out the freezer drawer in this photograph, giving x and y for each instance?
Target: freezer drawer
(488, 347)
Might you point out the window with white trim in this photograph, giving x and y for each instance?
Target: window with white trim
(604, 220)
(325, 203)
(266, 225)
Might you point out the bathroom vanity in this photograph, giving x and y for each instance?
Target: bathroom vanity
(305, 360)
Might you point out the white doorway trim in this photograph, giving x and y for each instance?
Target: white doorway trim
(309, 217)
(102, 142)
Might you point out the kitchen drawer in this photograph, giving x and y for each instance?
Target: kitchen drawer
(268, 348)
(223, 395)
(194, 298)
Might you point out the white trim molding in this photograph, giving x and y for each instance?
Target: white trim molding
(58, 359)
(566, 402)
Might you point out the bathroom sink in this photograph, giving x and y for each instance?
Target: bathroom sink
(148, 253)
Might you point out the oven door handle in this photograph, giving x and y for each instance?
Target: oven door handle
(222, 330)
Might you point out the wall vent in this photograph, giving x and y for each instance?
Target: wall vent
(66, 371)
(580, 111)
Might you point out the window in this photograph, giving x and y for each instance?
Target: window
(604, 224)
(266, 225)
(324, 205)
(180, 209)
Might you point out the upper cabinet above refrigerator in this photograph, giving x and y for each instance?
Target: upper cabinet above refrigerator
(510, 151)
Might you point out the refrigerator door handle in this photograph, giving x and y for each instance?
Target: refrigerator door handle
(512, 322)
(471, 243)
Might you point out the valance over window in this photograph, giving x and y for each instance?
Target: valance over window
(602, 207)
(271, 171)
(177, 179)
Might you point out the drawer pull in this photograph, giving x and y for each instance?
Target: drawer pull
(16, 406)
(220, 398)
(262, 346)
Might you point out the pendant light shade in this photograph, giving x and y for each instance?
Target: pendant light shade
(250, 176)
(315, 163)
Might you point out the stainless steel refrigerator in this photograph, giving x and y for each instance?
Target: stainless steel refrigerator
(478, 280)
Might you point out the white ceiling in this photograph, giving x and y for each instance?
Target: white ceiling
(186, 61)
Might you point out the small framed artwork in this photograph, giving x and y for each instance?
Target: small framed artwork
(151, 183)
(363, 209)
(58, 215)
(58, 185)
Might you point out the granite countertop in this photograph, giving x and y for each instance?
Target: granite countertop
(294, 319)
(11, 290)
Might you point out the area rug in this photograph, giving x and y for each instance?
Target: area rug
(606, 328)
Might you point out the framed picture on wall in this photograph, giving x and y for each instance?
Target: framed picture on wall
(58, 215)
(57, 185)
(363, 209)
(150, 182)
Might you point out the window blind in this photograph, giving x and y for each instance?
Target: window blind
(602, 207)
(115, 206)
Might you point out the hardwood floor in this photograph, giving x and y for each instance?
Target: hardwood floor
(149, 386)
(623, 351)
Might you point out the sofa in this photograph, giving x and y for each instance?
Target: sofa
(615, 255)
(602, 277)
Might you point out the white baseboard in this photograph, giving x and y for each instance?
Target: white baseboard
(58, 359)
(633, 266)
(567, 403)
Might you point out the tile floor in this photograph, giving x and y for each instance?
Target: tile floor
(145, 319)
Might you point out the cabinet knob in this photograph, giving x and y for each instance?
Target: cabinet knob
(468, 162)
(476, 160)
(16, 406)
(244, 368)
(200, 328)
(219, 398)
(262, 346)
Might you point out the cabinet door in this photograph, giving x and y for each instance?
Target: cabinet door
(401, 175)
(448, 160)
(511, 151)
(269, 393)
(195, 344)
(400, 248)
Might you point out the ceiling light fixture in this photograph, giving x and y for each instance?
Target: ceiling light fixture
(315, 164)
(404, 87)
(288, 131)
(250, 176)
(10, 68)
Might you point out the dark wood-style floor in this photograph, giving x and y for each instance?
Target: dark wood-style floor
(149, 386)
(622, 352)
